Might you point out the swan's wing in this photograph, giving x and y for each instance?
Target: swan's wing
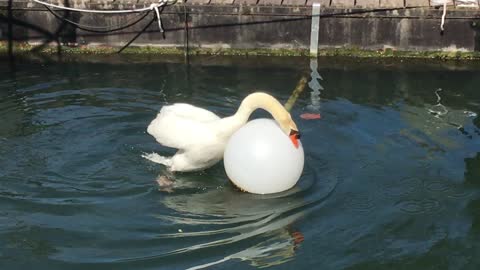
(182, 126)
(188, 111)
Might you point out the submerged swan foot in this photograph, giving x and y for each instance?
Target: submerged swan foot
(165, 183)
(297, 237)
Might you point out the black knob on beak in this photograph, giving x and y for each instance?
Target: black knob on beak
(295, 133)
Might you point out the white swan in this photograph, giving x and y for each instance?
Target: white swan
(201, 136)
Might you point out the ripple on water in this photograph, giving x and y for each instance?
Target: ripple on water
(223, 216)
(399, 189)
(450, 190)
(438, 186)
(359, 202)
(81, 153)
(420, 206)
(72, 174)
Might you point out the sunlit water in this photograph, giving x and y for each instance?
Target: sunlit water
(391, 180)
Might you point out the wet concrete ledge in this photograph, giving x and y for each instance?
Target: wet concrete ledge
(245, 26)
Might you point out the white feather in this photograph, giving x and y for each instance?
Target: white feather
(182, 126)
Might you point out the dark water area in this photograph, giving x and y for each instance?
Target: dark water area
(391, 177)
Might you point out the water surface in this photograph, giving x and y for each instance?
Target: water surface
(391, 178)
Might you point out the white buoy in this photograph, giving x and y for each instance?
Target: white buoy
(260, 158)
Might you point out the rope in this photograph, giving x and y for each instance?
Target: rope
(136, 36)
(443, 15)
(159, 20)
(91, 28)
(153, 6)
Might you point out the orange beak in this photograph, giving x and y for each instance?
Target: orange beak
(294, 137)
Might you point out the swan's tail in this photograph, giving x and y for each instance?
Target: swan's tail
(154, 157)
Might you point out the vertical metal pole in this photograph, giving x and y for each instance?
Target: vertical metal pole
(315, 29)
(10, 31)
(185, 33)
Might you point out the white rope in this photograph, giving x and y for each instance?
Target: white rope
(159, 20)
(153, 6)
(443, 15)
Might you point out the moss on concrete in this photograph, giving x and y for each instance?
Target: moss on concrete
(389, 53)
(25, 49)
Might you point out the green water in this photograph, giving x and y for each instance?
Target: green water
(391, 179)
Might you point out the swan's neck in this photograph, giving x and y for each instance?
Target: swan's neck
(251, 103)
(261, 101)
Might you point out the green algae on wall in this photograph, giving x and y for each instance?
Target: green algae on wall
(25, 49)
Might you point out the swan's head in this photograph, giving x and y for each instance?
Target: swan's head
(275, 108)
(290, 129)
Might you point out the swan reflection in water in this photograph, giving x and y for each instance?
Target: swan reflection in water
(233, 216)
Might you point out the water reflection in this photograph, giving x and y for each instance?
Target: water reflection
(236, 217)
(279, 247)
(431, 126)
(315, 85)
(438, 110)
(264, 224)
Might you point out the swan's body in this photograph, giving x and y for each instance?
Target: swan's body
(201, 136)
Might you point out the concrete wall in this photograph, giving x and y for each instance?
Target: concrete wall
(355, 24)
